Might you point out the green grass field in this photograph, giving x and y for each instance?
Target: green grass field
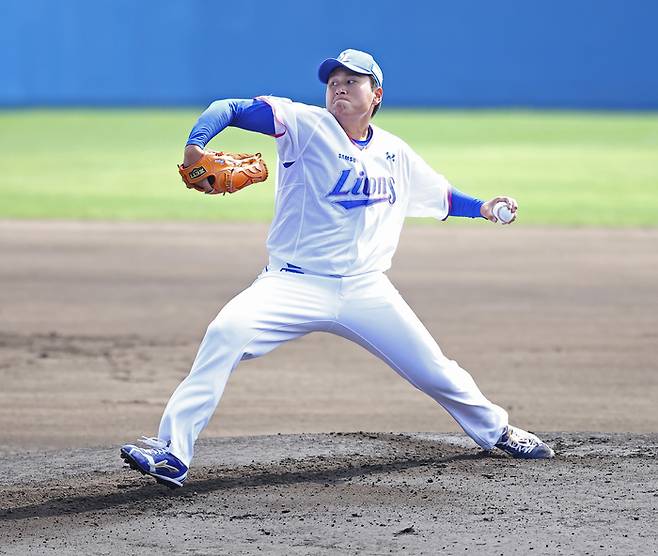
(564, 168)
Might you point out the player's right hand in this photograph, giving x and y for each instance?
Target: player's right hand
(486, 210)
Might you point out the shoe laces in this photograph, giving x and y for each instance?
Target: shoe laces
(518, 441)
(157, 446)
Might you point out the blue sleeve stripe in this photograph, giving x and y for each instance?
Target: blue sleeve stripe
(250, 114)
(463, 205)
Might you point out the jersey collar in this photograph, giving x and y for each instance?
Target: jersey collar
(364, 143)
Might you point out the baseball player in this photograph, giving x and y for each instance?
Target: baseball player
(343, 189)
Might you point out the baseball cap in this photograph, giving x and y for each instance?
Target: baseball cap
(355, 60)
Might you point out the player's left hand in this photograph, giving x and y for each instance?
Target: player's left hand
(222, 172)
(194, 153)
(486, 210)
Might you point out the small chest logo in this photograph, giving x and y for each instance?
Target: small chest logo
(362, 191)
(347, 157)
(390, 156)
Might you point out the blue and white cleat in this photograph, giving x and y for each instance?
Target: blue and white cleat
(156, 461)
(523, 444)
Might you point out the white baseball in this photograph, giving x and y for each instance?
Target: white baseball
(502, 213)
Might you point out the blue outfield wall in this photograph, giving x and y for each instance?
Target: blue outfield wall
(597, 54)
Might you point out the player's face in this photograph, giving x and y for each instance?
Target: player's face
(350, 95)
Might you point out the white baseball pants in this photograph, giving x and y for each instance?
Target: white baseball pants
(282, 305)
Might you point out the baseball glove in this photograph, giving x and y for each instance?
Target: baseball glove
(226, 172)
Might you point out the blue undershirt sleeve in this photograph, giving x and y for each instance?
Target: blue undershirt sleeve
(249, 114)
(464, 205)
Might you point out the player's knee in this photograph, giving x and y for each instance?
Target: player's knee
(227, 331)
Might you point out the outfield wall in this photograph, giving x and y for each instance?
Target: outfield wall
(478, 53)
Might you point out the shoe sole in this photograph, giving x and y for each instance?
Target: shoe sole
(170, 483)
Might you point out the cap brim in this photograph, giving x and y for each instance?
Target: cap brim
(330, 64)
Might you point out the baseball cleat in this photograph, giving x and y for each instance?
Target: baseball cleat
(523, 444)
(155, 461)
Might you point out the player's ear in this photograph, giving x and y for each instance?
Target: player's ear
(379, 95)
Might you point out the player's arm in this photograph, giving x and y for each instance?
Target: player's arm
(250, 114)
(463, 205)
(433, 195)
(466, 206)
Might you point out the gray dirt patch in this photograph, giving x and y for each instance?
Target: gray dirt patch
(341, 493)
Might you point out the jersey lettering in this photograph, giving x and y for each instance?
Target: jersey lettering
(368, 190)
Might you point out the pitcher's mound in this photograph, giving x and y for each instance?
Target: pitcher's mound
(340, 493)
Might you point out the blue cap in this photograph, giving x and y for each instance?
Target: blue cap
(355, 60)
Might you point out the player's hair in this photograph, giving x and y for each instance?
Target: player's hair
(373, 84)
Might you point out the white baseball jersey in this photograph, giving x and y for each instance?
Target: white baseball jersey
(339, 209)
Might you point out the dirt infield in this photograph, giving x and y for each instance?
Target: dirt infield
(371, 493)
(99, 323)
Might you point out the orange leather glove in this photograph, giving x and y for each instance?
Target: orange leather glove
(226, 172)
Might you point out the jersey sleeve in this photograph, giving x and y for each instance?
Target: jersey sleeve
(252, 115)
(429, 190)
(294, 125)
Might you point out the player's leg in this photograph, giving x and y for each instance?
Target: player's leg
(276, 308)
(375, 316)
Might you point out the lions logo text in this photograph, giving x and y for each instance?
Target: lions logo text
(362, 191)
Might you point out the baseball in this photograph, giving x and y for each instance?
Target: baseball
(502, 213)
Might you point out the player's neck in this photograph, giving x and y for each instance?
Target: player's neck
(357, 130)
